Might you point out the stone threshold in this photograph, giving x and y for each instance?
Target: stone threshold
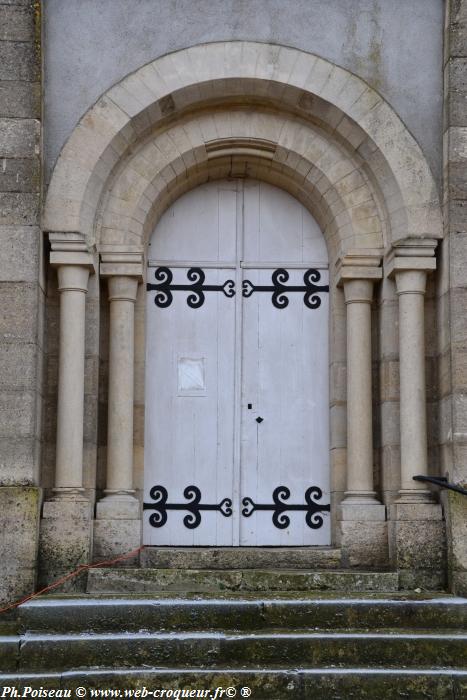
(241, 558)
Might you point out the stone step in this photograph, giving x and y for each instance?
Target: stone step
(241, 558)
(265, 684)
(257, 649)
(144, 580)
(239, 612)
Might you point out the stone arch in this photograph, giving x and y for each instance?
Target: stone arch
(156, 95)
(244, 109)
(278, 148)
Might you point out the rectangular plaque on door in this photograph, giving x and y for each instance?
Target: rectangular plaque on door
(191, 376)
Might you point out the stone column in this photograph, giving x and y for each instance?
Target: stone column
(72, 287)
(358, 297)
(416, 529)
(117, 528)
(362, 518)
(66, 527)
(410, 286)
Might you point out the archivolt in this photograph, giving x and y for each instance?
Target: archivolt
(275, 147)
(152, 107)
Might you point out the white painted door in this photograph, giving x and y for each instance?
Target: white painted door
(237, 410)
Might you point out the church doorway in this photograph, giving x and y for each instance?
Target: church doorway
(237, 358)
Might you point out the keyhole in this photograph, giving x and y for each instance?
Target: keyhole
(259, 419)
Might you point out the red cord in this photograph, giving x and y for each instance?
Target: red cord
(76, 572)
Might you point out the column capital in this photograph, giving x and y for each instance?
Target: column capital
(122, 262)
(123, 288)
(411, 254)
(71, 249)
(359, 265)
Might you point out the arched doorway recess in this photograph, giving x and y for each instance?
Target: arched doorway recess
(237, 371)
(241, 109)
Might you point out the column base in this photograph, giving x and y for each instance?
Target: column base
(361, 498)
(118, 505)
(417, 544)
(73, 493)
(117, 527)
(362, 534)
(65, 541)
(415, 496)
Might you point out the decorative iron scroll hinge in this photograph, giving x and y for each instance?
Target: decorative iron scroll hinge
(193, 506)
(164, 287)
(279, 508)
(279, 289)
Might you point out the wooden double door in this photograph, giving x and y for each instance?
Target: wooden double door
(237, 406)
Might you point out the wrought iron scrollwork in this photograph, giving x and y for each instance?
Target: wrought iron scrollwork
(279, 507)
(164, 288)
(193, 505)
(280, 290)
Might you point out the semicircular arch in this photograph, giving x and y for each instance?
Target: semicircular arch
(271, 146)
(159, 93)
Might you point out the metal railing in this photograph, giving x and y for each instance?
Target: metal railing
(442, 482)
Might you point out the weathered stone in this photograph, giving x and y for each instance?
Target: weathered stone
(361, 512)
(456, 104)
(364, 544)
(114, 538)
(20, 138)
(240, 558)
(415, 511)
(458, 261)
(456, 210)
(18, 320)
(90, 418)
(426, 579)
(261, 649)
(17, 413)
(459, 583)
(19, 523)
(18, 365)
(20, 253)
(457, 528)
(458, 467)
(64, 541)
(151, 580)
(417, 549)
(9, 653)
(456, 32)
(19, 460)
(20, 99)
(457, 180)
(18, 209)
(459, 404)
(458, 314)
(302, 611)
(19, 175)
(18, 61)
(16, 23)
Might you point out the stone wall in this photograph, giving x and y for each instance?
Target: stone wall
(21, 294)
(394, 45)
(452, 290)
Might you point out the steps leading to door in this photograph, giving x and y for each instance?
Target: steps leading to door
(241, 558)
(119, 580)
(283, 645)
